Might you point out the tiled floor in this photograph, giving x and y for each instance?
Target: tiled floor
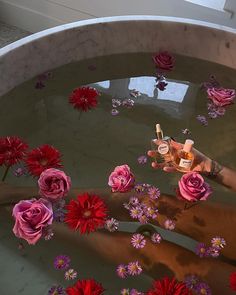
(9, 34)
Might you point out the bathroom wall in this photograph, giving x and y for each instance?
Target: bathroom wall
(36, 15)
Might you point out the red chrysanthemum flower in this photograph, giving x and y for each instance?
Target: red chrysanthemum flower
(232, 281)
(85, 287)
(12, 150)
(42, 158)
(86, 214)
(84, 98)
(168, 286)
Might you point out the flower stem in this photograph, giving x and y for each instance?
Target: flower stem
(5, 173)
(80, 114)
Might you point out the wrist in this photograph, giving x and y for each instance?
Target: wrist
(213, 169)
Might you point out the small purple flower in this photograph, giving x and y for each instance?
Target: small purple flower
(134, 201)
(135, 292)
(111, 224)
(218, 242)
(62, 262)
(124, 292)
(202, 120)
(121, 271)
(114, 112)
(186, 131)
(59, 215)
(212, 83)
(142, 159)
(48, 234)
(212, 115)
(139, 188)
(220, 111)
(143, 219)
(191, 281)
(156, 238)
(138, 241)
(202, 288)
(134, 93)
(116, 103)
(161, 85)
(202, 250)
(70, 274)
(57, 290)
(127, 206)
(213, 252)
(154, 193)
(19, 172)
(134, 268)
(169, 224)
(128, 103)
(151, 212)
(136, 212)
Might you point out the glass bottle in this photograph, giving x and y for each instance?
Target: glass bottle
(183, 159)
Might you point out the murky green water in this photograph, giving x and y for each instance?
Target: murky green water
(93, 144)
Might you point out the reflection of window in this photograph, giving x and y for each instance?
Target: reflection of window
(174, 91)
(215, 4)
(103, 84)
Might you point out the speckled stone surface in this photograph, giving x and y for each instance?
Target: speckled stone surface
(77, 41)
(9, 34)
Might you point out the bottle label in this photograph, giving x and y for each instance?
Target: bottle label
(163, 148)
(184, 163)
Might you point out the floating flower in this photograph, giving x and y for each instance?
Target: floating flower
(154, 193)
(134, 268)
(221, 96)
(70, 274)
(151, 212)
(191, 281)
(202, 120)
(186, 131)
(116, 103)
(193, 188)
(121, 179)
(135, 292)
(12, 150)
(138, 241)
(85, 287)
(202, 288)
(218, 242)
(62, 262)
(134, 201)
(161, 85)
(212, 83)
(84, 98)
(134, 93)
(124, 292)
(114, 112)
(128, 103)
(19, 172)
(42, 158)
(232, 281)
(143, 219)
(32, 217)
(48, 234)
(156, 238)
(121, 271)
(87, 213)
(111, 224)
(57, 290)
(164, 61)
(142, 160)
(168, 286)
(213, 252)
(169, 224)
(54, 184)
(202, 250)
(136, 212)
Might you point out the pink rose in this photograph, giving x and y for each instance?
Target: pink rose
(221, 96)
(164, 61)
(192, 187)
(121, 179)
(53, 184)
(31, 218)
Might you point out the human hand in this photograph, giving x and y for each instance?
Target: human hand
(201, 163)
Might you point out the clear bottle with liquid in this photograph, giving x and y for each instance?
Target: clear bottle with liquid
(162, 146)
(183, 159)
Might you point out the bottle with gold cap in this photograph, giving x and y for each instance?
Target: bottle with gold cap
(183, 159)
(162, 146)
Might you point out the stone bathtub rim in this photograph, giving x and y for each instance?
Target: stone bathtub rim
(9, 77)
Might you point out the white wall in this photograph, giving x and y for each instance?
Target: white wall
(36, 15)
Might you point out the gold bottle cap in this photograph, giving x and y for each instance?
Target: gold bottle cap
(158, 128)
(188, 145)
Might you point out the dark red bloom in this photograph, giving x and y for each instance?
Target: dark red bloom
(85, 287)
(84, 98)
(164, 61)
(12, 150)
(232, 281)
(86, 214)
(42, 158)
(168, 286)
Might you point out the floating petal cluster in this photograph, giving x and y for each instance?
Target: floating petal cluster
(84, 98)
(62, 262)
(85, 287)
(169, 224)
(142, 159)
(116, 103)
(111, 225)
(57, 290)
(138, 241)
(70, 274)
(156, 238)
(87, 213)
(132, 269)
(202, 119)
(217, 244)
(121, 271)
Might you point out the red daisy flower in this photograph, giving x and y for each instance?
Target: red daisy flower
(168, 286)
(42, 158)
(84, 98)
(85, 287)
(12, 150)
(86, 214)
(232, 281)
